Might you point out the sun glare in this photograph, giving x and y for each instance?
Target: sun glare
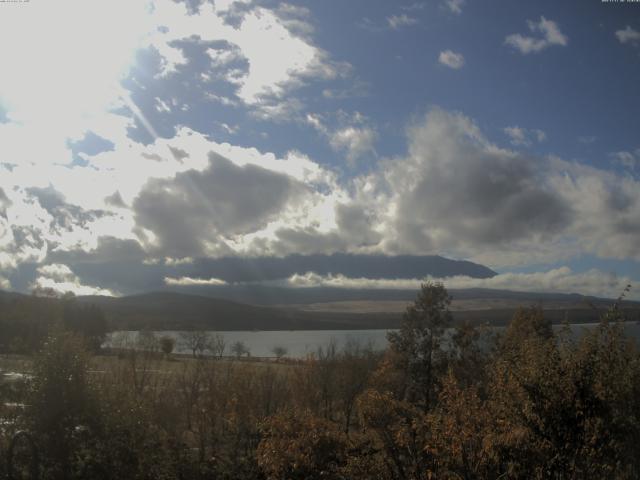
(63, 60)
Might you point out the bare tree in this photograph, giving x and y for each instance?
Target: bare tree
(217, 345)
(195, 340)
(147, 340)
(239, 349)
(279, 351)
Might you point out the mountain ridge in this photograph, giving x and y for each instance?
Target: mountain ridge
(173, 310)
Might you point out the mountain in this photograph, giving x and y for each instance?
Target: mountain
(261, 269)
(175, 311)
(269, 295)
(326, 309)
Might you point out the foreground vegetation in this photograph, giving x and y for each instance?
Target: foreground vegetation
(527, 404)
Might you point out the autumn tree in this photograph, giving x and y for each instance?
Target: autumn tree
(61, 401)
(300, 446)
(418, 342)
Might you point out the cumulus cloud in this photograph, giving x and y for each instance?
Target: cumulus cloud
(629, 36)
(355, 141)
(629, 160)
(194, 212)
(559, 280)
(352, 135)
(4, 203)
(245, 46)
(458, 192)
(451, 59)
(523, 137)
(605, 209)
(61, 279)
(546, 34)
(454, 193)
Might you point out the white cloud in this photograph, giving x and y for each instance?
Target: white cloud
(460, 195)
(630, 160)
(392, 22)
(451, 59)
(628, 35)
(61, 279)
(66, 71)
(189, 281)
(523, 137)
(162, 106)
(605, 209)
(221, 57)
(454, 6)
(356, 141)
(5, 284)
(559, 280)
(266, 77)
(396, 22)
(230, 129)
(352, 135)
(549, 35)
(455, 193)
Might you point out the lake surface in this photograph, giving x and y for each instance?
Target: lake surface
(300, 343)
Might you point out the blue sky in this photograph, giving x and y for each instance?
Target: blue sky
(159, 132)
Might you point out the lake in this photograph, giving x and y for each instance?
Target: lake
(300, 343)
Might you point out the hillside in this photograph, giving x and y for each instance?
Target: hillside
(364, 309)
(171, 310)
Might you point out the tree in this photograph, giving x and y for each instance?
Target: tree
(568, 407)
(418, 341)
(527, 324)
(239, 349)
(469, 352)
(198, 341)
(61, 401)
(279, 351)
(89, 321)
(301, 446)
(217, 345)
(167, 344)
(147, 341)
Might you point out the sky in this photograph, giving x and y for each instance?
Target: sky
(140, 139)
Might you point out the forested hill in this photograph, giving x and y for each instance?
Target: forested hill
(175, 311)
(361, 310)
(171, 310)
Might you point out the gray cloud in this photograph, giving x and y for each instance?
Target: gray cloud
(308, 240)
(457, 191)
(199, 208)
(356, 222)
(115, 200)
(65, 217)
(4, 203)
(108, 249)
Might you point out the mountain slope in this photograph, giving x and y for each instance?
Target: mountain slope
(171, 310)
